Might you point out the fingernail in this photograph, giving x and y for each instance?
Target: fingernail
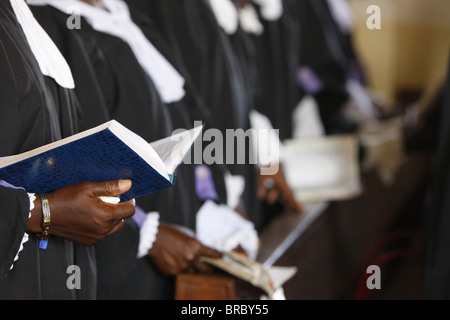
(124, 184)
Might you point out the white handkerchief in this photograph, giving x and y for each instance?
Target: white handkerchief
(223, 229)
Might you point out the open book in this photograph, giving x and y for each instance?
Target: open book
(323, 168)
(107, 152)
(244, 268)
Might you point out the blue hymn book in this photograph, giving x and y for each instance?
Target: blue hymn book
(104, 153)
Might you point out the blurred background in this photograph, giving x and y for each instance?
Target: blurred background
(409, 54)
(387, 224)
(357, 91)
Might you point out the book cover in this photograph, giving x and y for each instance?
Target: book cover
(107, 152)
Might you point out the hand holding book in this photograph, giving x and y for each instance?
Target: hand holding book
(85, 174)
(174, 252)
(108, 152)
(80, 216)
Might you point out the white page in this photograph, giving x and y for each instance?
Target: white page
(141, 147)
(323, 168)
(4, 159)
(280, 275)
(173, 149)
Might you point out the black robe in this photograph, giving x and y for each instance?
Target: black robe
(437, 272)
(269, 63)
(198, 43)
(277, 58)
(328, 52)
(114, 85)
(34, 111)
(191, 108)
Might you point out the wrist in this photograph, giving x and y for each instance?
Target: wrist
(46, 221)
(39, 223)
(34, 224)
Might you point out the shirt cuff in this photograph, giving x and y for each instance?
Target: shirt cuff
(267, 147)
(149, 230)
(25, 238)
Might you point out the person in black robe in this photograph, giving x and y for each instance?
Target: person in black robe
(116, 86)
(218, 75)
(37, 109)
(269, 74)
(277, 61)
(204, 49)
(327, 60)
(437, 275)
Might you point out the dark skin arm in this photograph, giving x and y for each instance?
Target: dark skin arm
(78, 215)
(242, 3)
(280, 190)
(174, 252)
(97, 3)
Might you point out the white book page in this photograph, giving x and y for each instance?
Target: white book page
(4, 159)
(280, 275)
(141, 147)
(173, 149)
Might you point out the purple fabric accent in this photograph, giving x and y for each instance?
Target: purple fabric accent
(10, 186)
(139, 216)
(308, 80)
(356, 72)
(204, 183)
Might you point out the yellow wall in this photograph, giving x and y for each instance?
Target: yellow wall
(411, 50)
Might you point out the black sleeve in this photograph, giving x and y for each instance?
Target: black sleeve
(78, 52)
(14, 204)
(116, 260)
(9, 101)
(437, 276)
(14, 211)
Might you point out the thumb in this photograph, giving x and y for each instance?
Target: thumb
(209, 252)
(111, 188)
